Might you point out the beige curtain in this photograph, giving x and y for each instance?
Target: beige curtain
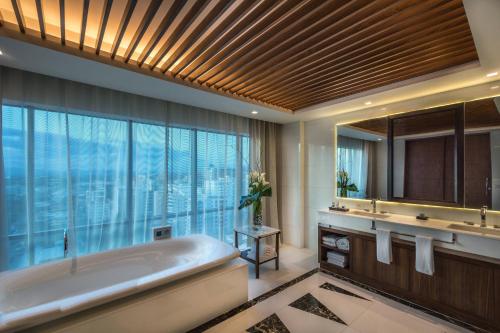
(264, 157)
(371, 177)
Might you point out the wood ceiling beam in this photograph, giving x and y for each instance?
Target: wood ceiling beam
(141, 29)
(103, 24)
(380, 83)
(339, 17)
(214, 10)
(251, 18)
(165, 23)
(108, 61)
(62, 21)
(282, 54)
(221, 26)
(334, 46)
(41, 21)
(188, 14)
(19, 16)
(371, 50)
(122, 27)
(372, 72)
(416, 46)
(247, 33)
(415, 71)
(306, 11)
(85, 14)
(437, 59)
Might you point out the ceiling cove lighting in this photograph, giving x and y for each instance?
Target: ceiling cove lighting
(492, 74)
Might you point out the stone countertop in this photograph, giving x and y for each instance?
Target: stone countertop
(434, 224)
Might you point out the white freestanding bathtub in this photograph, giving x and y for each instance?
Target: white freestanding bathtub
(161, 273)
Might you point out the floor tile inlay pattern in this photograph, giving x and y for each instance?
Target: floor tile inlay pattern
(329, 286)
(271, 324)
(310, 304)
(317, 302)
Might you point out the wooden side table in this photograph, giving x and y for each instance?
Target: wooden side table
(258, 233)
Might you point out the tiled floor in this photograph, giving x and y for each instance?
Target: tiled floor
(321, 303)
(293, 263)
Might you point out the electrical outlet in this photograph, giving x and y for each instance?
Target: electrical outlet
(160, 233)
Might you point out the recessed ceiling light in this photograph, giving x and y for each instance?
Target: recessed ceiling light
(379, 139)
(492, 74)
(368, 103)
(255, 112)
(494, 87)
(383, 109)
(1, 52)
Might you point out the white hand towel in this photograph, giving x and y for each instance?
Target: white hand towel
(384, 246)
(424, 254)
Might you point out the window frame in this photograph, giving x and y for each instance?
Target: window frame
(193, 213)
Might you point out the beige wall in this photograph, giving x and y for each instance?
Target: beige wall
(317, 169)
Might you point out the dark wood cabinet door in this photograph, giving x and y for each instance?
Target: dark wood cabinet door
(364, 257)
(459, 284)
(364, 263)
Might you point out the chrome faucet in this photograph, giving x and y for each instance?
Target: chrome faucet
(374, 205)
(65, 243)
(483, 211)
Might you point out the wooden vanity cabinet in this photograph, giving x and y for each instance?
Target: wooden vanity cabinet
(465, 287)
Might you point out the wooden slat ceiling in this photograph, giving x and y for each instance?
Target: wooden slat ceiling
(286, 54)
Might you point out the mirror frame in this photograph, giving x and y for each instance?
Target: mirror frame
(459, 111)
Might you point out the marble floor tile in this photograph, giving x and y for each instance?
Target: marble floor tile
(311, 304)
(299, 321)
(322, 303)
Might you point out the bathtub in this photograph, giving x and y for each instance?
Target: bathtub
(42, 294)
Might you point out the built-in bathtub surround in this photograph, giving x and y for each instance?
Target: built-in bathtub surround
(163, 283)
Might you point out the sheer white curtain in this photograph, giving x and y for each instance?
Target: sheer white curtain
(353, 158)
(109, 166)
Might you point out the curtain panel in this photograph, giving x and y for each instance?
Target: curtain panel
(125, 163)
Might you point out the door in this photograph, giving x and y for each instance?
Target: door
(477, 170)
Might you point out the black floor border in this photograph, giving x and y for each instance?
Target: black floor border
(407, 303)
(217, 320)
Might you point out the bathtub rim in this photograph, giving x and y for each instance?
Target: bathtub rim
(59, 308)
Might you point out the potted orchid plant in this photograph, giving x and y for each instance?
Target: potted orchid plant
(344, 184)
(257, 189)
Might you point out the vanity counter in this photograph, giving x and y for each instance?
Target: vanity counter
(447, 233)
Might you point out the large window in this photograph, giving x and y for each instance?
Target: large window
(108, 182)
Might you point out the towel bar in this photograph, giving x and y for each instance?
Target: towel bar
(453, 237)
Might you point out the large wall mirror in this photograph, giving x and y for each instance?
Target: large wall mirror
(448, 156)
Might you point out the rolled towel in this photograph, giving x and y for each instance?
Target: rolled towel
(342, 264)
(343, 243)
(384, 246)
(265, 252)
(329, 243)
(336, 256)
(424, 254)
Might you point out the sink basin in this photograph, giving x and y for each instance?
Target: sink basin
(476, 229)
(369, 214)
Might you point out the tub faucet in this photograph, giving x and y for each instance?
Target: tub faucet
(374, 205)
(65, 243)
(483, 211)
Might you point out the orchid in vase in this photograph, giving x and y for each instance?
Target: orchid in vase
(257, 189)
